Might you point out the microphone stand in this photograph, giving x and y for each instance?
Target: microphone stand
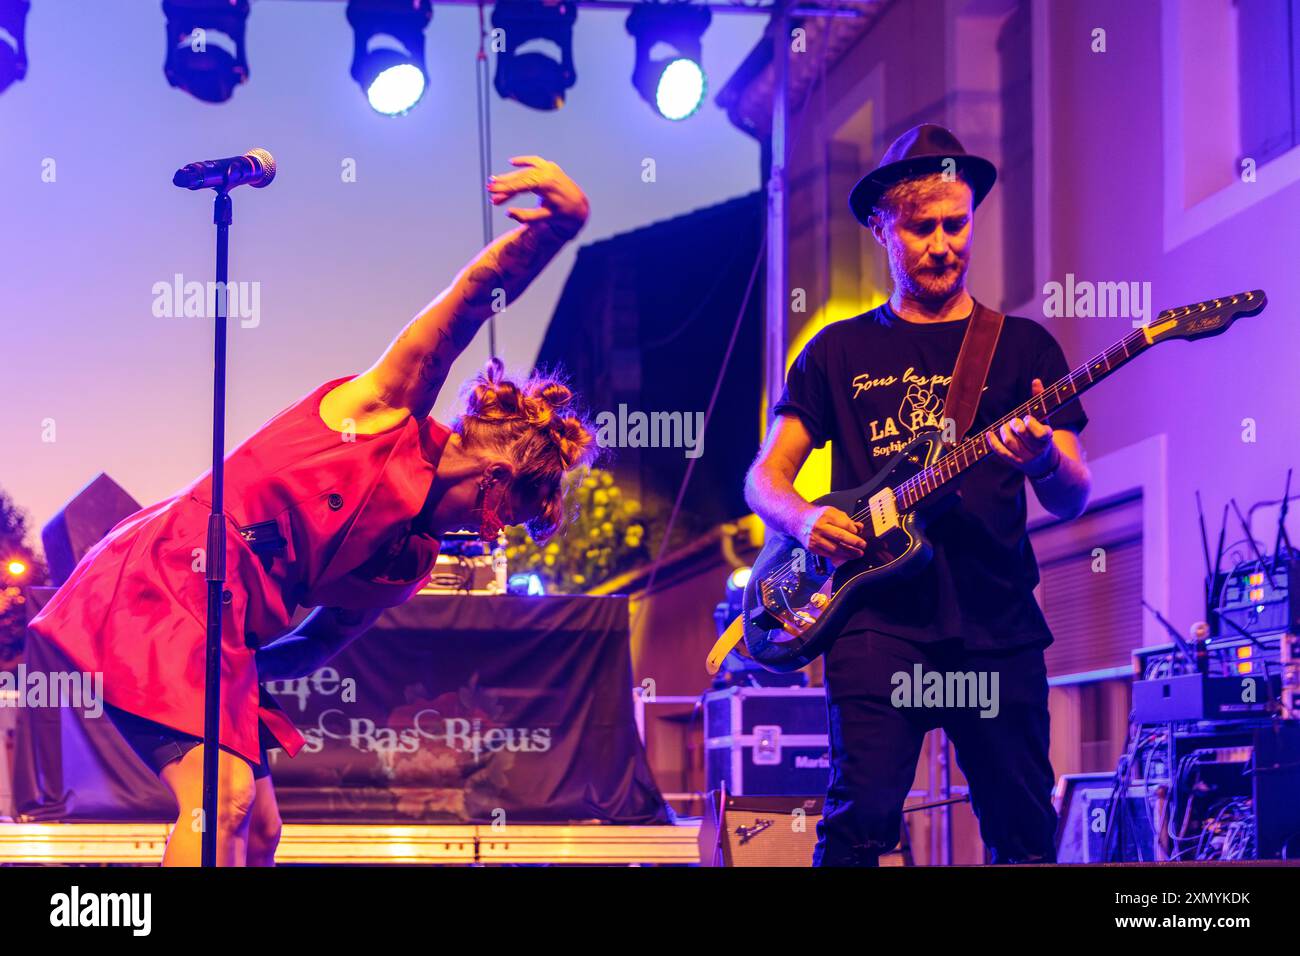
(216, 554)
(1190, 654)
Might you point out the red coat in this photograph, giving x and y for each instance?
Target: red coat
(135, 606)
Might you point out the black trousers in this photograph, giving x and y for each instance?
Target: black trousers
(877, 730)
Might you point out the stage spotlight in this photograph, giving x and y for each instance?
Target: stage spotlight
(388, 51)
(17, 567)
(668, 74)
(205, 47)
(739, 578)
(525, 583)
(533, 29)
(13, 41)
(738, 668)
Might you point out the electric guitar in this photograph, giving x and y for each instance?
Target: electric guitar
(796, 601)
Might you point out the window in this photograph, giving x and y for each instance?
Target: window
(1231, 94)
(1091, 588)
(1266, 63)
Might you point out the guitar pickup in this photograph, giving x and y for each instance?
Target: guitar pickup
(884, 511)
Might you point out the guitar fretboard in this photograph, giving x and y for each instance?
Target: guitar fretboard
(969, 452)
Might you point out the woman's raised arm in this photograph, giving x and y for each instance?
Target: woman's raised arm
(411, 371)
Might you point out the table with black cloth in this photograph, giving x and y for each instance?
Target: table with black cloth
(451, 709)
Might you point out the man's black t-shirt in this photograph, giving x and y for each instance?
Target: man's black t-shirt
(868, 385)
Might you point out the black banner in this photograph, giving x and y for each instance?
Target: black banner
(451, 709)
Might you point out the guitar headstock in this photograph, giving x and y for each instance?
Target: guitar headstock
(1204, 318)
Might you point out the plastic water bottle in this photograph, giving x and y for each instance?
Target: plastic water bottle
(500, 566)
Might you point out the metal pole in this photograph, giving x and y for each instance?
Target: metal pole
(940, 813)
(483, 86)
(775, 333)
(216, 554)
(945, 784)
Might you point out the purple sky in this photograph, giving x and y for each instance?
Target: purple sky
(341, 266)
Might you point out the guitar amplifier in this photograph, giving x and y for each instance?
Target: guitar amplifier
(766, 740)
(759, 831)
(770, 831)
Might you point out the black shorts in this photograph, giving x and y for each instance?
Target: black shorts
(158, 745)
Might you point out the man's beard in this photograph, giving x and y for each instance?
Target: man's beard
(925, 284)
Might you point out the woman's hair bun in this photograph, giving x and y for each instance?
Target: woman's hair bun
(574, 439)
(524, 422)
(493, 397)
(555, 393)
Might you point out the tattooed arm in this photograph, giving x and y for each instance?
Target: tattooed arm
(408, 376)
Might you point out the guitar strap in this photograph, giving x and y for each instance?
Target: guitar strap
(972, 369)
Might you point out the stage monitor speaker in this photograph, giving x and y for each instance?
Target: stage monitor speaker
(83, 522)
(1083, 807)
(1276, 791)
(768, 831)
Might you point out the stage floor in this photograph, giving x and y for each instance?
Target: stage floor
(142, 844)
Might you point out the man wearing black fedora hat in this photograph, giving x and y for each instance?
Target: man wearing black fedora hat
(868, 385)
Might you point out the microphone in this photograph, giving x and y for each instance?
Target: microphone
(1200, 633)
(256, 168)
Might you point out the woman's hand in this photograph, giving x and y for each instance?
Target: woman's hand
(562, 204)
(410, 374)
(305, 649)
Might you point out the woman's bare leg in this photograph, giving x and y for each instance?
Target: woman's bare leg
(235, 795)
(263, 825)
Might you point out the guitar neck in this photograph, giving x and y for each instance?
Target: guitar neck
(973, 450)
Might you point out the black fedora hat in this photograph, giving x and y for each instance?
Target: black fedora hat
(921, 150)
